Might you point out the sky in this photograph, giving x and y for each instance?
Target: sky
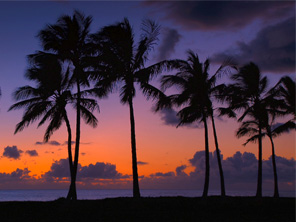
(168, 157)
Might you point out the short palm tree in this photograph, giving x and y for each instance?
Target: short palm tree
(285, 90)
(250, 128)
(121, 64)
(48, 100)
(246, 94)
(198, 89)
(68, 39)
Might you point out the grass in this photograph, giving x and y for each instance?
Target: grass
(213, 208)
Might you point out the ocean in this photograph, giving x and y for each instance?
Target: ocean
(48, 195)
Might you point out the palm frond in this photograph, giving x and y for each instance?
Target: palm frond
(284, 128)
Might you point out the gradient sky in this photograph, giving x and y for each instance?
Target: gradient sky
(263, 32)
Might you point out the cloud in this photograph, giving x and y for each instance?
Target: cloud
(66, 143)
(53, 143)
(60, 171)
(142, 163)
(15, 176)
(12, 152)
(168, 44)
(273, 49)
(169, 117)
(100, 171)
(180, 170)
(159, 174)
(240, 173)
(32, 152)
(220, 15)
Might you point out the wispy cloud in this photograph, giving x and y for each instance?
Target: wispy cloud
(220, 15)
(168, 44)
(52, 142)
(32, 153)
(142, 163)
(273, 49)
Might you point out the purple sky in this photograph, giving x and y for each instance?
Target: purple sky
(263, 32)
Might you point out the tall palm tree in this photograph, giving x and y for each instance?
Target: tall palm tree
(68, 38)
(197, 92)
(246, 95)
(46, 101)
(122, 64)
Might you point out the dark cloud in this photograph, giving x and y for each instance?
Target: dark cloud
(66, 143)
(221, 15)
(273, 49)
(240, 173)
(100, 171)
(60, 171)
(180, 170)
(142, 163)
(159, 174)
(32, 152)
(12, 152)
(15, 176)
(53, 143)
(168, 44)
(170, 118)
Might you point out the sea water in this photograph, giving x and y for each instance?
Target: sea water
(48, 195)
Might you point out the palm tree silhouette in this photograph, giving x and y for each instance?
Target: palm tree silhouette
(250, 128)
(68, 38)
(121, 61)
(246, 95)
(197, 91)
(48, 100)
(285, 90)
(282, 101)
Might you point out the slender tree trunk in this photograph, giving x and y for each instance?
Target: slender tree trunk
(218, 158)
(276, 189)
(136, 189)
(69, 196)
(77, 142)
(207, 155)
(259, 181)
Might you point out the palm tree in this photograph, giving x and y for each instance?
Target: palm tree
(121, 61)
(68, 38)
(283, 103)
(285, 90)
(197, 91)
(250, 128)
(246, 95)
(46, 101)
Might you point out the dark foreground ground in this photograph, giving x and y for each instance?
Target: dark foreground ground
(153, 209)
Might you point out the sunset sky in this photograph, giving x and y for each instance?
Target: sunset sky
(169, 157)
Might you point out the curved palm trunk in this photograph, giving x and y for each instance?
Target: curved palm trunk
(73, 192)
(77, 142)
(69, 196)
(259, 180)
(219, 159)
(207, 155)
(276, 189)
(136, 189)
